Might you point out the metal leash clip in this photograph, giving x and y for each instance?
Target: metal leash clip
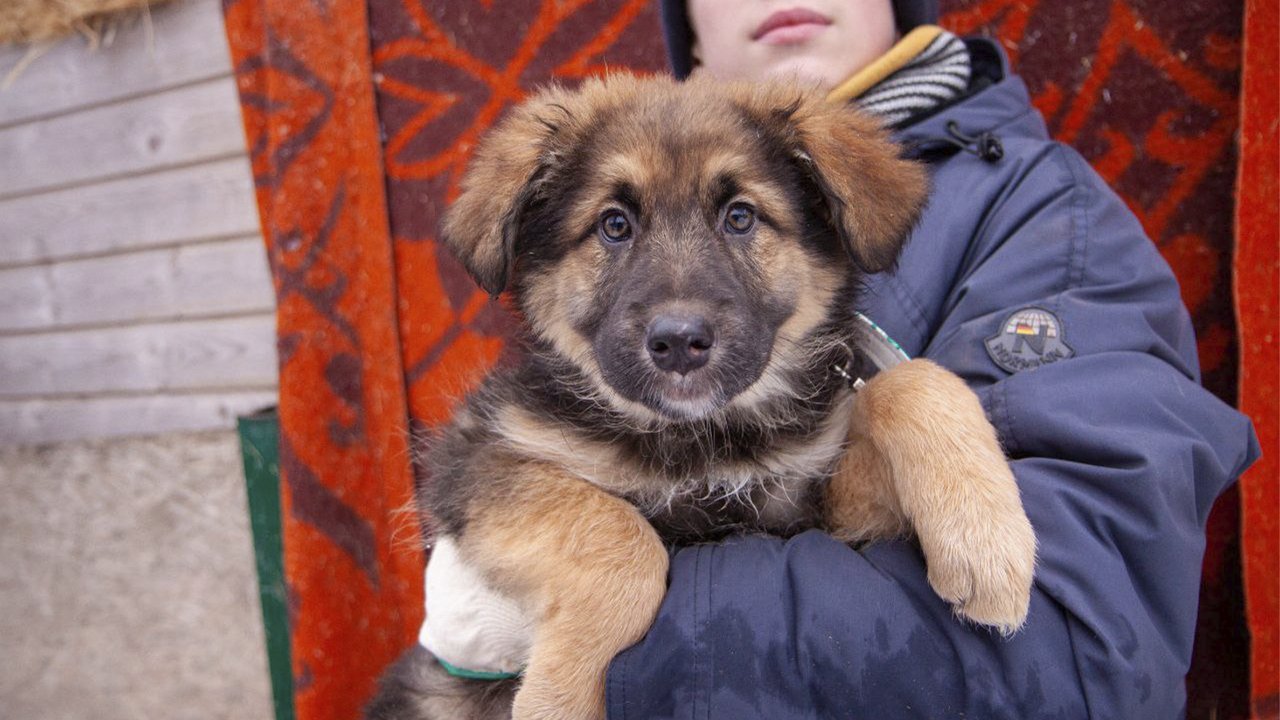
(854, 383)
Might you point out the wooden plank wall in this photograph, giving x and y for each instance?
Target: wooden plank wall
(135, 296)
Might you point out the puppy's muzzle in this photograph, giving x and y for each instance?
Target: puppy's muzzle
(680, 343)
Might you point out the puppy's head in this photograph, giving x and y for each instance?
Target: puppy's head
(677, 242)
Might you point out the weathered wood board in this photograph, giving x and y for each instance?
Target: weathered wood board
(185, 43)
(227, 353)
(191, 124)
(166, 207)
(182, 282)
(32, 422)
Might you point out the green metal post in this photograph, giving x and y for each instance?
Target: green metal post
(260, 448)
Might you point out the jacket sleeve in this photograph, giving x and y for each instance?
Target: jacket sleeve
(1119, 455)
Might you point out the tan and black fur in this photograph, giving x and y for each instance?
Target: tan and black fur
(562, 478)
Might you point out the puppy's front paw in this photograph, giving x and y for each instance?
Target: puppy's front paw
(982, 563)
(538, 699)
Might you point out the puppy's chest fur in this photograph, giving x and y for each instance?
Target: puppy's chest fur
(694, 481)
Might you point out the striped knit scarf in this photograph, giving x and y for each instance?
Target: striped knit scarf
(926, 69)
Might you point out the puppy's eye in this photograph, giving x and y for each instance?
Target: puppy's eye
(614, 227)
(740, 218)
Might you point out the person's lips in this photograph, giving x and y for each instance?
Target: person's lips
(789, 26)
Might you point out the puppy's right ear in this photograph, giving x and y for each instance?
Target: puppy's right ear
(502, 179)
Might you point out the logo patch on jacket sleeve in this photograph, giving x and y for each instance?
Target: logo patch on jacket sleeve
(1027, 339)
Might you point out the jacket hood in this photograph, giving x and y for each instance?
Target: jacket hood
(998, 106)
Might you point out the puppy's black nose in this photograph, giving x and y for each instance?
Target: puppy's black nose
(679, 343)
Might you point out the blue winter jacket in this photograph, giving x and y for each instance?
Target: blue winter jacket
(1118, 451)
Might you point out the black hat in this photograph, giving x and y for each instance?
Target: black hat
(679, 35)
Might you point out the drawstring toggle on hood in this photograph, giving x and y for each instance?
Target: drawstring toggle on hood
(985, 144)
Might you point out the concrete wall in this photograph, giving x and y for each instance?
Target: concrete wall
(127, 585)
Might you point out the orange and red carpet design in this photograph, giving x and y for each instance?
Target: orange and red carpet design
(361, 115)
(1257, 280)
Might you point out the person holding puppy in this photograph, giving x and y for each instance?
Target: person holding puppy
(1030, 279)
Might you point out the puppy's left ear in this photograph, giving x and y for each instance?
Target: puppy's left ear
(873, 195)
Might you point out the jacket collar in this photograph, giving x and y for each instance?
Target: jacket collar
(997, 97)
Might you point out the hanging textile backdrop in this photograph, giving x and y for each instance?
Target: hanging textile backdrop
(1257, 270)
(361, 119)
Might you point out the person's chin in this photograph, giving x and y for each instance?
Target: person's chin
(804, 71)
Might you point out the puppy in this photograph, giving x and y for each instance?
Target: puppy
(685, 258)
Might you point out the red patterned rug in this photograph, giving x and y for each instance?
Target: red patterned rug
(381, 330)
(354, 585)
(1257, 270)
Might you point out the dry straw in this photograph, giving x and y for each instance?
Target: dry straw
(27, 21)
